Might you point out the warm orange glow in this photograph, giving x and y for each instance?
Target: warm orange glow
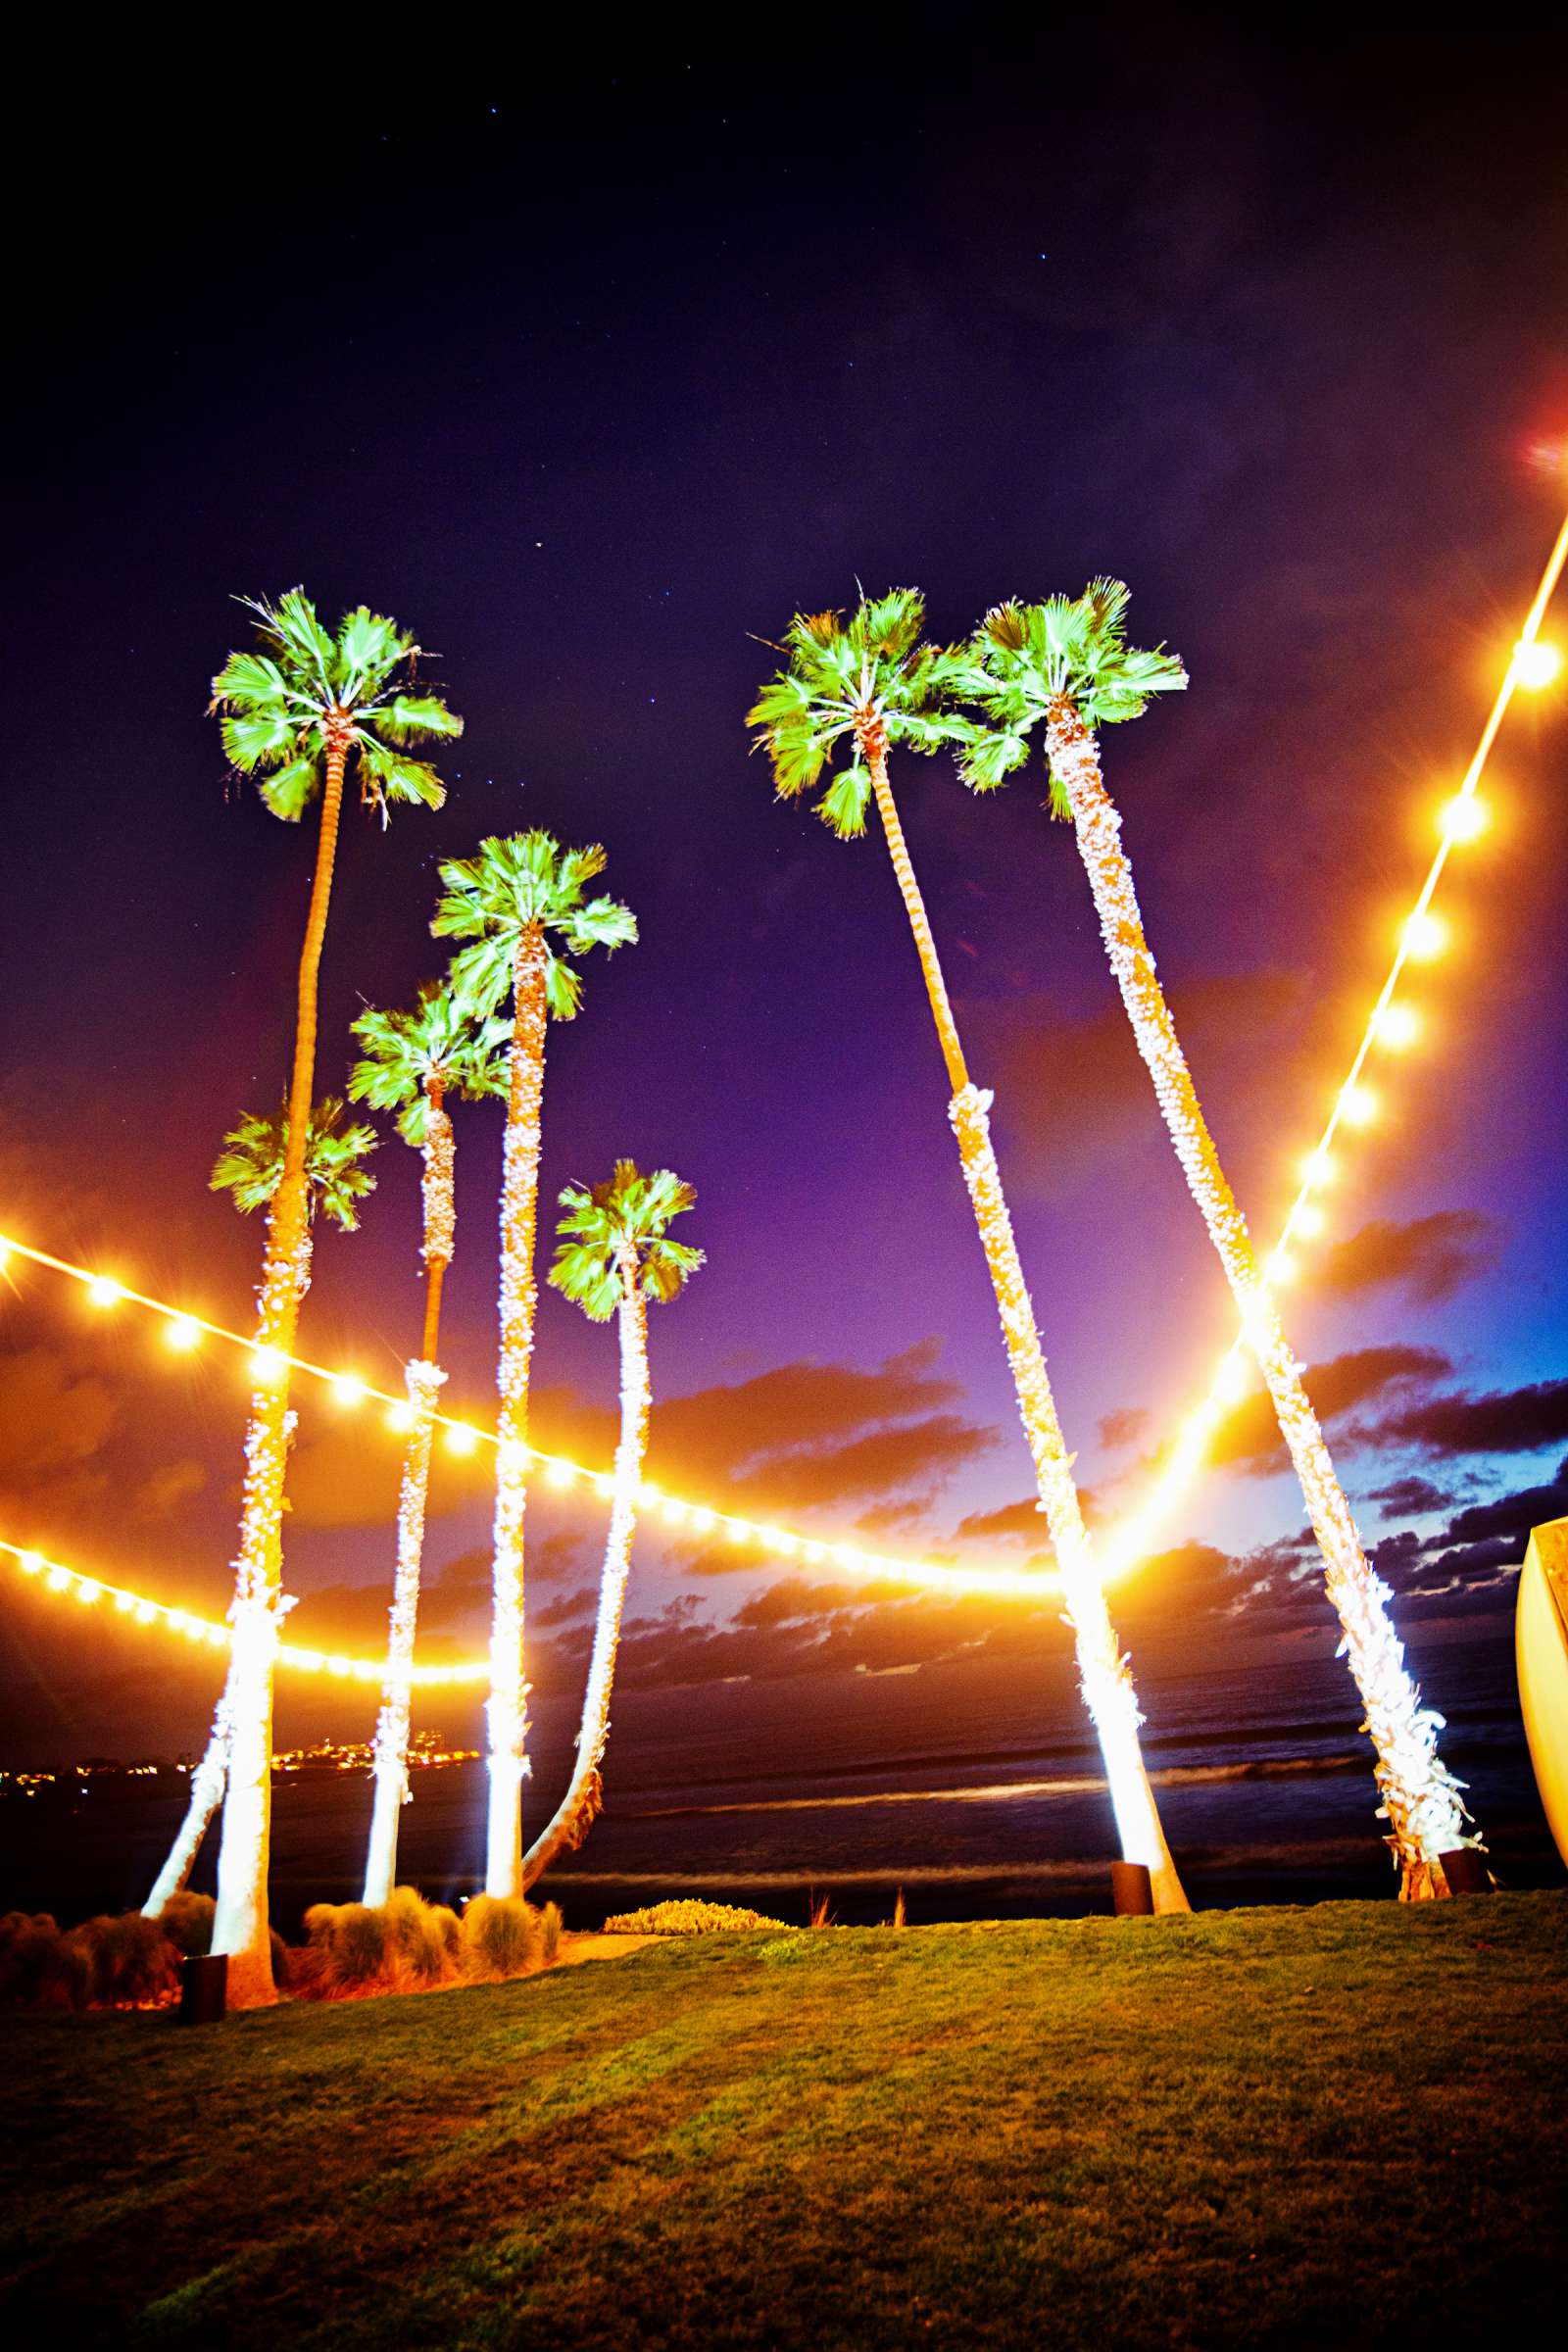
(461, 1438)
(560, 1474)
(1358, 1107)
(399, 1416)
(1424, 936)
(182, 1333)
(268, 1365)
(1309, 1219)
(1396, 1026)
(1463, 817)
(1536, 664)
(348, 1392)
(104, 1292)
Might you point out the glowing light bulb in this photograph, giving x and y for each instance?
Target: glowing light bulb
(60, 1580)
(31, 1562)
(603, 1484)
(146, 1613)
(1358, 1107)
(5, 1255)
(1233, 1380)
(1536, 664)
(399, 1416)
(124, 1602)
(268, 1366)
(1424, 936)
(1281, 1268)
(1309, 1219)
(348, 1392)
(1463, 817)
(1395, 1026)
(182, 1333)
(676, 1513)
(87, 1590)
(560, 1474)
(104, 1292)
(460, 1439)
(1320, 1166)
(738, 1531)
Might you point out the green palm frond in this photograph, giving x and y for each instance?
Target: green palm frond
(1025, 658)
(280, 706)
(443, 1039)
(629, 1214)
(251, 1163)
(522, 882)
(848, 679)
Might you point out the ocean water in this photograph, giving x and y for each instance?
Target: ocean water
(970, 1787)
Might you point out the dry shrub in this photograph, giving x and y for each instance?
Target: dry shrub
(133, 1963)
(394, 1948)
(186, 1919)
(41, 1967)
(501, 1938)
(897, 1920)
(821, 1910)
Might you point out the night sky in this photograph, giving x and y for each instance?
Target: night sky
(592, 378)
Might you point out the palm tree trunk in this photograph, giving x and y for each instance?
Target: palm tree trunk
(574, 1816)
(506, 1711)
(241, 1928)
(205, 1797)
(424, 1379)
(1421, 1800)
(390, 1750)
(1105, 1675)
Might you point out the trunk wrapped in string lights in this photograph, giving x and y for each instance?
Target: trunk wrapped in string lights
(293, 714)
(616, 1257)
(1066, 664)
(251, 1168)
(413, 1060)
(390, 1746)
(513, 901)
(873, 683)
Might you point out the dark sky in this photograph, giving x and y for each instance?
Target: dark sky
(591, 377)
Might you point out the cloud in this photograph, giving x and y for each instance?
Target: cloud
(1409, 1498)
(54, 1416)
(1505, 1421)
(1508, 1516)
(1250, 1437)
(1430, 1258)
(1075, 1094)
(1124, 1426)
(1023, 1519)
(168, 1487)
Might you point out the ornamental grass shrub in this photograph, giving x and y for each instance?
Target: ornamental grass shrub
(502, 1937)
(41, 1966)
(688, 1919)
(186, 1919)
(396, 1946)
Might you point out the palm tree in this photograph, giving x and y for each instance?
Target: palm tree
(293, 713)
(1066, 662)
(513, 901)
(619, 1257)
(250, 1167)
(412, 1061)
(867, 686)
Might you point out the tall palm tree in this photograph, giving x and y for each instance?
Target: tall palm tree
(619, 1257)
(293, 714)
(515, 901)
(1066, 664)
(413, 1061)
(250, 1169)
(866, 686)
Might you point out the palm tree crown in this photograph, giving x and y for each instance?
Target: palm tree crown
(870, 680)
(251, 1163)
(1024, 659)
(304, 693)
(441, 1042)
(525, 882)
(626, 1218)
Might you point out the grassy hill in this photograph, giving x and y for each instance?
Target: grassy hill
(1343, 2126)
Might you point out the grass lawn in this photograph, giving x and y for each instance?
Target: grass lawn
(1332, 2127)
